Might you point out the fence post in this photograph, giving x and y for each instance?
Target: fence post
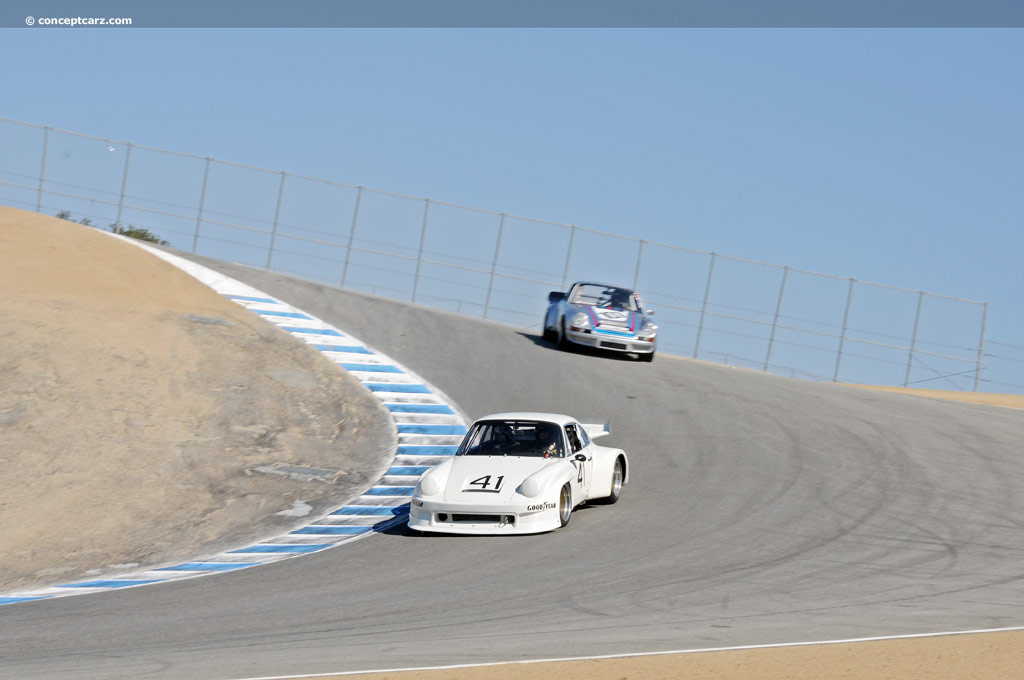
(351, 235)
(42, 169)
(704, 307)
(494, 264)
(277, 217)
(202, 204)
(775, 322)
(913, 339)
(568, 257)
(842, 336)
(981, 346)
(639, 259)
(419, 255)
(124, 183)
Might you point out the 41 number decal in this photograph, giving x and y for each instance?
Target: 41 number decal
(485, 484)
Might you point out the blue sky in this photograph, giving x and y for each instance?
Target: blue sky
(888, 155)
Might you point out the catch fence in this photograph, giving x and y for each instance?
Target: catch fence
(500, 266)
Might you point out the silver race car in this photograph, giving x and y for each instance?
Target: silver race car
(602, 316)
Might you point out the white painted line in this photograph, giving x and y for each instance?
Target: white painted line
(640, 654)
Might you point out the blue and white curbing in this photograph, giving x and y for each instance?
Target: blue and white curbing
(429, 425)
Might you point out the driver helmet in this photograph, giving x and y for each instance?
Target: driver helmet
(620, 297)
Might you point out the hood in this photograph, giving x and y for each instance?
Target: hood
(496, 477)
(603, 317)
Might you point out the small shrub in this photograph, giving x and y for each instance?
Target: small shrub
(66, 215)
(131, 230)
(139, 233)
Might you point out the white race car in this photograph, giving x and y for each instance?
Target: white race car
(518, 473)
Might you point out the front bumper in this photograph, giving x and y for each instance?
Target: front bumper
(451, 517)
(614, 341)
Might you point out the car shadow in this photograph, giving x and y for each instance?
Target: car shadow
(400, 527)
(573, 348)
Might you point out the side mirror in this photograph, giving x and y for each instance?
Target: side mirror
(555, 296)
(580, 457)
(649, 312)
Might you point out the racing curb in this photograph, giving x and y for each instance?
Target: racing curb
(429, 428)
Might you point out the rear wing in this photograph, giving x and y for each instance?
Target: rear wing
(596, 428)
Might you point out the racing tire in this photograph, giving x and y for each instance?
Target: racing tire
(562, 342)
(618, 474)
(545, 332)
(564, 505)
(648, 357)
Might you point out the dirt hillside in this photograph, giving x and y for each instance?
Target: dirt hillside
(136, 402)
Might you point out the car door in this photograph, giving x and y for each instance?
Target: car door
(575, 437)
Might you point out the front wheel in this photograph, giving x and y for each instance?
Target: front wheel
(565, 505)
(562, 342)
(648, 357)
(546, 333)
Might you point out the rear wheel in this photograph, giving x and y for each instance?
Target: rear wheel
(565, 505)
(618, 473)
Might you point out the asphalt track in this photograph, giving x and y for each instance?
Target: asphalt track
(760, 510)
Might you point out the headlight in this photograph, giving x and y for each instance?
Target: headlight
(581, 320)
(429, 486)
(530, 487)
(649, 328)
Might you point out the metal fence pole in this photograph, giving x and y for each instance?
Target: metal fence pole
(277, 217)
(494, 264)
(42, 169)
(842, 336)
(124, 183)
(351, 235)
(775, 321)
(981, 346)
(704, 307)
(913, 339)
(568, 257)
(202, 204)
(419, 255)
(639, 259)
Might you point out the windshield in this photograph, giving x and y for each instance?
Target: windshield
(513, 438)
(608, 297)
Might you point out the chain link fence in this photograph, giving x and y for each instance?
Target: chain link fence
(500, 266)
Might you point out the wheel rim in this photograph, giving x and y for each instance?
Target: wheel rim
(565, 504)
(617, 479)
